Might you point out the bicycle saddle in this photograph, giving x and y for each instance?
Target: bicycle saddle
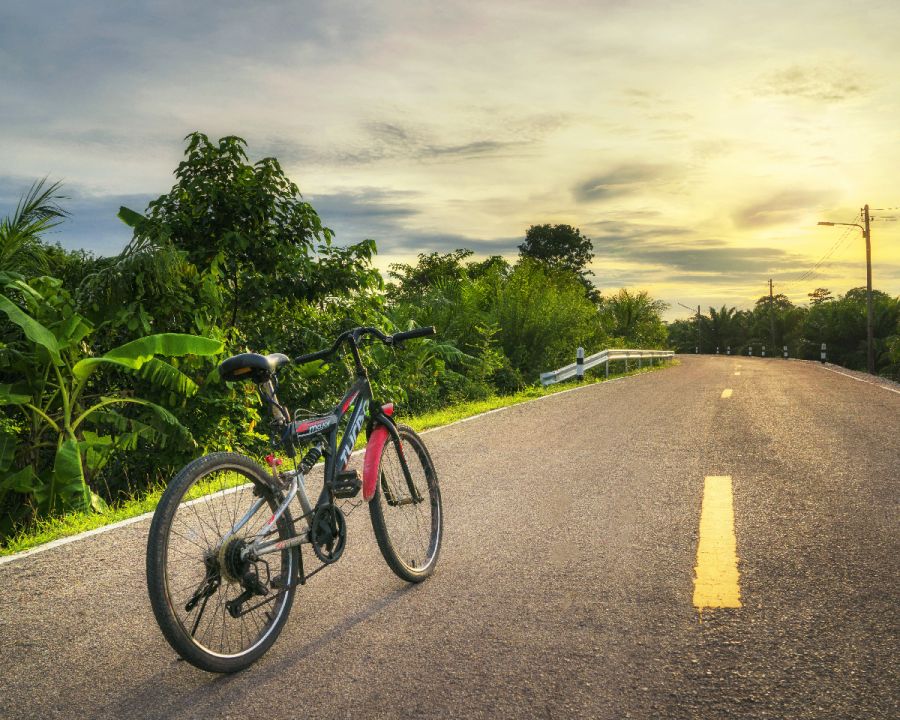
(252, 366)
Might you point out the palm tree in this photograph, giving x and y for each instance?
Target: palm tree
(635, 317)
(722, 327)
(38, 211)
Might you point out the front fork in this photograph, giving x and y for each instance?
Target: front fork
(415, 497)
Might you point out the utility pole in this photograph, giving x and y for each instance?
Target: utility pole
(870, 325)
(772, 312)
(699, 348)
(870, 330)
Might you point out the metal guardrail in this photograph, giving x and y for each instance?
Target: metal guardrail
(577, 368)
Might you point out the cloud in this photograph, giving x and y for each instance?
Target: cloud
(623, 180)
(782, 207)
(818, 82)
(471, 149)
(670, 254)
(392, 219)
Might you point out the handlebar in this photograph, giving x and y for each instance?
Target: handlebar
(356, 333)
(410, 334)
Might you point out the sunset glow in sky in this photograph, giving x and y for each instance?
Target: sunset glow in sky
(696, 143)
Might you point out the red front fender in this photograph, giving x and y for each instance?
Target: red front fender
(374, 447)
(376, 443)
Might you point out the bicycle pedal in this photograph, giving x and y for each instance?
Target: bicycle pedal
(346, 484)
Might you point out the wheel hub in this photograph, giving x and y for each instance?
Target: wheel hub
(232, 566)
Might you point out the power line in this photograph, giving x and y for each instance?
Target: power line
(809, 273)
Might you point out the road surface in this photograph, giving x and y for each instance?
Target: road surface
(566, 584)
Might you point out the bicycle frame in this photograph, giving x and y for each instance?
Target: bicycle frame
(380, 425)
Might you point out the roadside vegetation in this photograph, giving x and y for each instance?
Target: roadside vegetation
(107, 382)
(838, 321)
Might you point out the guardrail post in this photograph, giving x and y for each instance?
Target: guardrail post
(749, 350)
(764, 351)
(717, 349)
(823, 352)
(640, 361)
(607, 367)
(626, 362)
(728, 350)
(579, 363)
(785, 352)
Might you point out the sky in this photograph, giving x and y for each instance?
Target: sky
(696, 143)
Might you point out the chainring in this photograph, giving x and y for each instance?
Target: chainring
(328, 533)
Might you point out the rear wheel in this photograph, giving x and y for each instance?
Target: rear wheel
(219, 609)
(407, 516)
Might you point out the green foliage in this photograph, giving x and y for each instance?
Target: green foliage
(21, 250)
(561, 247)
(839, 322)
(541, 315)
(432, 270)
(634, 318)
(246, 227)
(819, 295)
(51, 458)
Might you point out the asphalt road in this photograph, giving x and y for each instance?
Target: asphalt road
(565, 585)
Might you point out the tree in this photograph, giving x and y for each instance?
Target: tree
(247, 227)
(634, 318)
(819, 295)
(722, 329)
(38, 211)
(561, 247)
(430, 270)
(542, 315)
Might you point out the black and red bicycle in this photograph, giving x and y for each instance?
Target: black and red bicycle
(224, 552)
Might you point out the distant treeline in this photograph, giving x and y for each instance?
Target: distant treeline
(839, 322)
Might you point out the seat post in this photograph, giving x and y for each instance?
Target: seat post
(279, 413)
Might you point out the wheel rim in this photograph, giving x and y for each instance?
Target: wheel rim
(201, 572)
(413, 529)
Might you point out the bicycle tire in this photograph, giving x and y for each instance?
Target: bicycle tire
(395, 517)
(196, 535)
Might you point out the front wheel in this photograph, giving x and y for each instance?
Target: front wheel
(406, 511)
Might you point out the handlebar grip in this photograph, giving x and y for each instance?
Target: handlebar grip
(416, 333)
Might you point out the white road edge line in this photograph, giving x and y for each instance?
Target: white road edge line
(146, 516)
(862, 380)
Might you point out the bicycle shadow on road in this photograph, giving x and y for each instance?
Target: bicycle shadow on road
(179, 690)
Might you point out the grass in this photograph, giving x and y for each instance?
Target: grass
(44, 531)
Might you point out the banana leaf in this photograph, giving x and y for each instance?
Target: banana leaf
(134, 355)
(10, 396)
(33, 330)
(68, 489)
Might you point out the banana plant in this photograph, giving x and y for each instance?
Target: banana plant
(68, 430)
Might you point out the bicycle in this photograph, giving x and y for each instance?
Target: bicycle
(224, 553)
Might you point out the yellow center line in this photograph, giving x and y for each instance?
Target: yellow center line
(717, 581)
(726, 393)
